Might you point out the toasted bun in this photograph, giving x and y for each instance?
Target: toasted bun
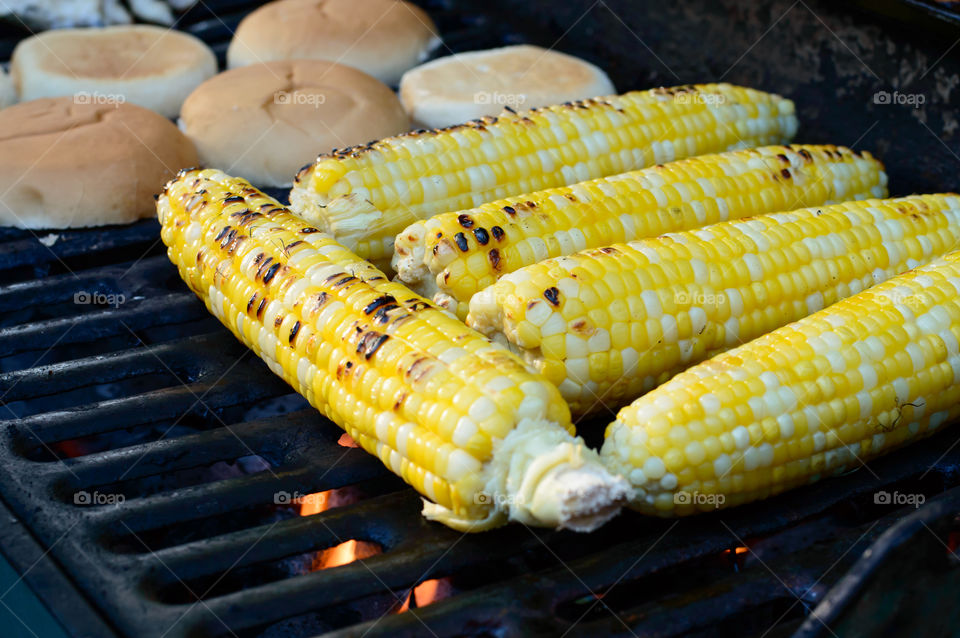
(64, 164)
(150, 66)
(381, 37)
(265, 121)
(463, 87)
(8, 94)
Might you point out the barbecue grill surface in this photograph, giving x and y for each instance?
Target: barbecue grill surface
(144, 449)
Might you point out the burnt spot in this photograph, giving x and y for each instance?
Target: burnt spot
(581, 326)
(552, 295)
(439, 235)
(571, 197)
(266, 206)
(319, 300)
(609, 250)
(786, 173)
(343, 369)
(278, 321)
(252, 301)
(292, 245)
(483, 237)
(510, 210)
(264, 265)
(228, 238)
(271, 273)
(345, 280)
(260, 308)
(805, 154)
(222, 233)
(461, 240)
(417, 305)
(258, 259)
(418, 369)
(246, 217)
(446, 276)
(370, 343)
(293, 332)
(308, 230)
(193, 202)
(497, 233)
(233, 199)
(465, 220)
(494, 257)
(399, 402)
(382, 315)
(377, 303)
(783, 158)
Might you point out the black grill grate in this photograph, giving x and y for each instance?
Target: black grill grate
(152, 400)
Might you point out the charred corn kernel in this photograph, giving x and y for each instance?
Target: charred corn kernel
(452, 256)
(460, 419)
(344, 193)
(695, 293)
(891, 358)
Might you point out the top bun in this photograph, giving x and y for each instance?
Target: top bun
(65, 164)
(151, 66)
(381, 37)
(265, 121)
(457, 88)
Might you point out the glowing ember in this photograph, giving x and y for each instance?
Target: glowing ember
(348, 551)
(344, 553)
(427, 592)
(323, 501)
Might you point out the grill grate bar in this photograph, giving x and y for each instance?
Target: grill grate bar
(272, 438)
(142, 409)
(99, 324)
(22, 248)
(222, 497)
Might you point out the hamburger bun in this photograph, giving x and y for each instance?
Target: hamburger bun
(146, 65)
(265, 121)
(381, 37)
(67, 165)
(466, 86)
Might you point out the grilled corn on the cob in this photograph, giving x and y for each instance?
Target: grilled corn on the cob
(812, 399)
(608, 324)
(452, 256)
(459, 418)
(365, 195)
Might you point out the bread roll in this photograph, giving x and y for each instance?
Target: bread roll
(457, 88)
(146, 65)
(265, 121)
(381, 37)
(64, 164)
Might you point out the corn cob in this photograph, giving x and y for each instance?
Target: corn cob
(608, 324)
(452, 256)
(365, 195)
(811, 399)
(459, 418)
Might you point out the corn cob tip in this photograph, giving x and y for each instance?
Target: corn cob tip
(544, 477)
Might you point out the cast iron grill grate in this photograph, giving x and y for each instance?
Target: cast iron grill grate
(116, 384)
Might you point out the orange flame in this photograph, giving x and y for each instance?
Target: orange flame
(427, 592)
(344, 553)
